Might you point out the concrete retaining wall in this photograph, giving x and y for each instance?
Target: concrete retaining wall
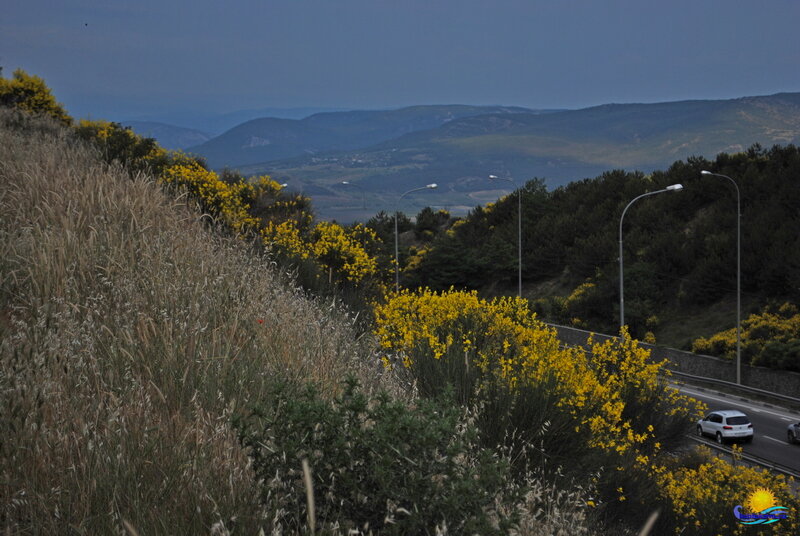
(776, 381)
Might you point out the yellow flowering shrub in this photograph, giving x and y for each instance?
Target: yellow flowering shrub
(30, 93)
(416, 256)
(502, 343)
(608, 406)
(702, 498)
(272, 204)
(579, 294)
(336, 249)
(286, 237)
(636, 384)
(266, 186)
(587, 301)
(769, 338)
(220, 199)
(283, 223)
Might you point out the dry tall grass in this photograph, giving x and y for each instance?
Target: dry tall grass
(131, 335)
(129, 338)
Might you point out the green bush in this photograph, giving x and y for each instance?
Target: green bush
(781, 355)
(29, 93)
(118, 143)
(378, 465)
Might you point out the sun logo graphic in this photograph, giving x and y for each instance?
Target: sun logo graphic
(762, 509)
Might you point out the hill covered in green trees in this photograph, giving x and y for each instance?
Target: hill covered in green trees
(680, 247)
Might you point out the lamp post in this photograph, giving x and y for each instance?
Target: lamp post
(432, 186)
(670, 188)
(738, 274)
(363, 193)
(519, 232)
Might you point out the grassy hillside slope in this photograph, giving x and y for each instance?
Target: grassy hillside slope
(129, 339)
(142, 352)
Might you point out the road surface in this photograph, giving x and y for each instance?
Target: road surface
(769, 426)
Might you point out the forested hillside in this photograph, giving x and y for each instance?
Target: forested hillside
(680, 247)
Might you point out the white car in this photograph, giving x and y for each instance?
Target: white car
(726, 425)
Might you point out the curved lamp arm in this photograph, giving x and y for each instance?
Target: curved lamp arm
(431, 186)
(670, 188)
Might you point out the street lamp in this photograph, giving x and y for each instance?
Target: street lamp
(519, 233)
(363, 193)
(432, 186)
(738, 275)
(670, 188)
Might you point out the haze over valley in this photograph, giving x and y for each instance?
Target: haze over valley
(382, 153)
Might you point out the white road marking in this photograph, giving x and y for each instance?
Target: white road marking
(772, 438)
(730, 401)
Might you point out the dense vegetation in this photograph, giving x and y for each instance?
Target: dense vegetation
(680, 248)
(160, 372)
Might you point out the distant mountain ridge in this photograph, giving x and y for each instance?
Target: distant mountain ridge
(559, 147)
(213, 123)
(168, 136)
(267, 139)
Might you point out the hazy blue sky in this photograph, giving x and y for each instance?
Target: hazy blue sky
(114, 57)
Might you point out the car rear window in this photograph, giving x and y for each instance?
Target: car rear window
(741, 419)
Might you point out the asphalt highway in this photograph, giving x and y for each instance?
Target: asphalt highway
(769, 426)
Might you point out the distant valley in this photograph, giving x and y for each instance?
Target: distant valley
(383, 153)
(269, 139)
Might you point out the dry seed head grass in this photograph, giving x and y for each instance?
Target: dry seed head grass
(129, 337)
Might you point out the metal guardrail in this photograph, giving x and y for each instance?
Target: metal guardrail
(757, 460)
(742, 388)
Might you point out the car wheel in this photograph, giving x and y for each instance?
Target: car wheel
(790, 437)
(719, 438)
(700, 431)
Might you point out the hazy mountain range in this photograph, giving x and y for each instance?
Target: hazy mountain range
(389, 151)
(270, 138)
(169, 136)
(213, 124)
